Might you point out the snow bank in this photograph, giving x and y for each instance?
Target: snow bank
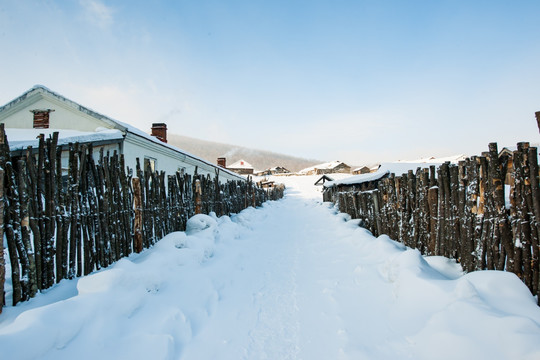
(293, 279)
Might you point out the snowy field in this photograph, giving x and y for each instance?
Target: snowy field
(291, 280)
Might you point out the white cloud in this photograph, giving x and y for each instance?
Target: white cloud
(98, 13)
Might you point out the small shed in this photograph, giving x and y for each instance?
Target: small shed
(266, 184)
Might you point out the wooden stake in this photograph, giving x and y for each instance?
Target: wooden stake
(138, 221)
(2, 260)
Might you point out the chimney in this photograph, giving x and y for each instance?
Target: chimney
(41, 118)
(221, 161)
(159, 130)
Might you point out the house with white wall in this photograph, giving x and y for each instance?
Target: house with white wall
(333, 167)
(241, 167)
(42, 111)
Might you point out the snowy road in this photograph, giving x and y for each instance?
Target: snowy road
(296, 293)
(288, 296)
(292, 280)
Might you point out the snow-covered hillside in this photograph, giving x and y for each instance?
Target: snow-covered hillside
(291, 280)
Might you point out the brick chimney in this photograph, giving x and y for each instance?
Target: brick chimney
(221, 161)
(41, 118)
(159, 130)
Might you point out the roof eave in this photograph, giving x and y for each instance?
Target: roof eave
(39, 92)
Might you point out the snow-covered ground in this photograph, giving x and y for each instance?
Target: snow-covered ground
(291, 280)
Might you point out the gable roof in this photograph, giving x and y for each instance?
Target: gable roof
(240, 164)
(323, 179)
(359, 179)
(328, 165)
(39, 92)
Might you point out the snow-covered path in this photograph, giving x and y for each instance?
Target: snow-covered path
(288, 296)
(292, 280)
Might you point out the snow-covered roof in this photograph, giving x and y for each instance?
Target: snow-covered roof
(40, 90)
(240, 164)
(275, 168)
(397, 168)
(20, 139)
(434, 160)
(358, 179)
(360, 168)
(324, 166)
(371, 167)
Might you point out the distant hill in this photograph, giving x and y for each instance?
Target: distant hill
(260, 159)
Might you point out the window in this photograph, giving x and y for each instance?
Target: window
(150, 164)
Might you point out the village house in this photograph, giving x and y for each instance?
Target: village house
(273, 171)
(333, 167)
(361, 170)
(366, 169)
(241, 167)
(42, 111)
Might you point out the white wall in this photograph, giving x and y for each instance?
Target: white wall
(167, 159)
(61, 118)
(110, 147)
(67, 115)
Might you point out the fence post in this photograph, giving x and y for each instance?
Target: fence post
(198, 197)
(2, 261)
(137, 224)
(377, 214)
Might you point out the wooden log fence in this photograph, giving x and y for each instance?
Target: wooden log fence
(462, 211)
(63, 223)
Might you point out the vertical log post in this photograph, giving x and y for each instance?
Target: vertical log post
(2, 260)
(516, 210)
(482, 225)
(526, 206)
(25, 228)
(503, 227)
(198, 197)
(138, 221)
(377, 212)
(537, 114)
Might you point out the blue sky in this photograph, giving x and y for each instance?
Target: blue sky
(357, 81)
